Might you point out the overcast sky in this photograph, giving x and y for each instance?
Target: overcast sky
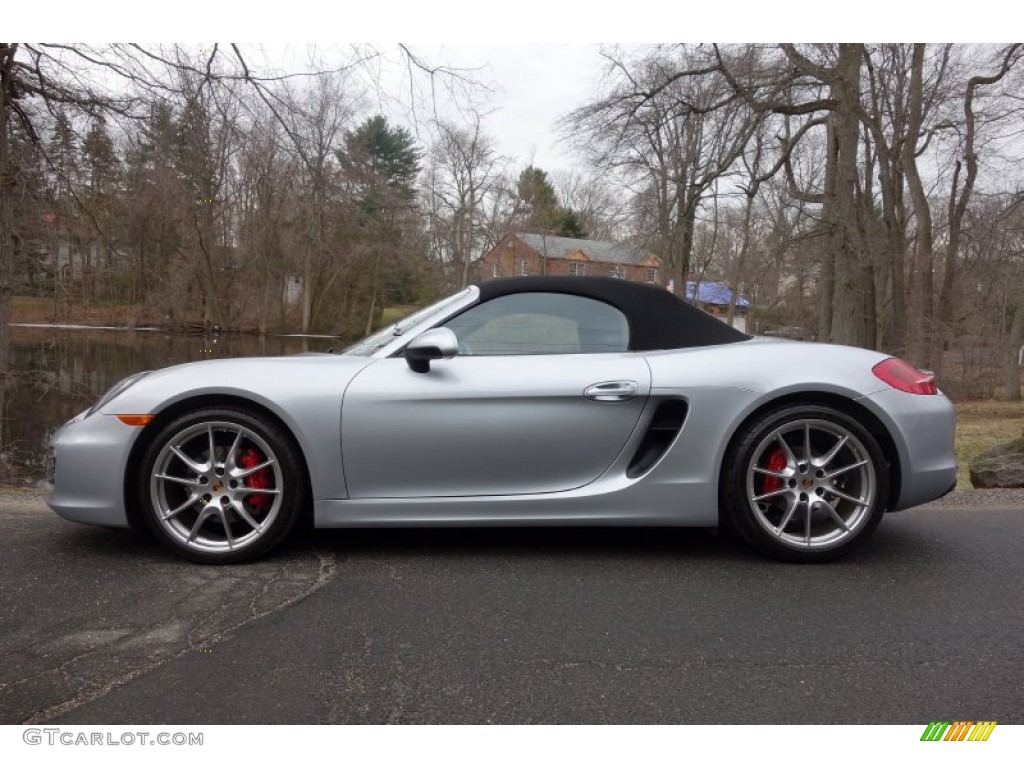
(535, 82)
(522, 89)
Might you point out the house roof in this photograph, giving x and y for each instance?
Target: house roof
(595, 250)
(712, 293)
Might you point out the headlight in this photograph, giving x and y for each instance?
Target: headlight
(116, 390)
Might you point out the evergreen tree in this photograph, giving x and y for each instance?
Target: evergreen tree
(538, 200)
(101, 159)
(569, 225)
(63, 152)
(382, 162)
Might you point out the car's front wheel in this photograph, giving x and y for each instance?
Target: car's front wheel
(805, 483)
(221, 485)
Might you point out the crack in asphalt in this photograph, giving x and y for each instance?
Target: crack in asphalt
(130, 637)
(195, 639)
(735, 663)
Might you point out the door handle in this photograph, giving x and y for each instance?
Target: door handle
(611, 391)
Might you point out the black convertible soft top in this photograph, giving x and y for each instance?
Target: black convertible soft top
(658, 319)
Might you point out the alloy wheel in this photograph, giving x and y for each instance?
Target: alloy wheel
(216, 487)
(811, 484)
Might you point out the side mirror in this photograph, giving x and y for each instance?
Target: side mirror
(435, 344)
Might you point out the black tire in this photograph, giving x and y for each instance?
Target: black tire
(805, 511)
(246, 500)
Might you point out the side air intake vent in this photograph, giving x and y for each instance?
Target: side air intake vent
(665, 425)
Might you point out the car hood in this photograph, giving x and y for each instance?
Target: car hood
(262, 379)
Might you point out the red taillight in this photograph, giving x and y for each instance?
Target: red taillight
(903, 376)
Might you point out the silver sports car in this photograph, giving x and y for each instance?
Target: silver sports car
(528, 401)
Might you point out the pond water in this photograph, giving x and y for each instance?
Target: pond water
(59, 372)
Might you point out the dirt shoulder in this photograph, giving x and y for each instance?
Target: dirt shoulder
(33, 309)
(980, 425)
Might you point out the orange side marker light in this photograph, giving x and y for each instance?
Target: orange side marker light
(135, 419)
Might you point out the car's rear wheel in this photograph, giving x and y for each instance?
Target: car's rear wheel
(805, 483)
(221, 485)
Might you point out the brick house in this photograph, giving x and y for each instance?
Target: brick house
(521, 253)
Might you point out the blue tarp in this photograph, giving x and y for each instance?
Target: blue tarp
(712, 293)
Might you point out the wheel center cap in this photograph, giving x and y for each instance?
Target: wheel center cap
(806, 482)
(217, 487)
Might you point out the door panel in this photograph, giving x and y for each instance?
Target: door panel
(487, 425)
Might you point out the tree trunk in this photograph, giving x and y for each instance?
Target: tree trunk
(467, 248)
(947, 306)
(850, 308)
(1012, 390)
(897, 249)
(6, 231)
(919, 343)
(373, 308)
(307, 288)
(737, 274)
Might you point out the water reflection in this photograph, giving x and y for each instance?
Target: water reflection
(60, 372)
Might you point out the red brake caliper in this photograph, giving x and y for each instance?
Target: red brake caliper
(776, 463)
(249, 458)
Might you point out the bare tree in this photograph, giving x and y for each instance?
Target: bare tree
(966, 168)
(670, 125)
(316, 121)
(463, 171)
(602, 209)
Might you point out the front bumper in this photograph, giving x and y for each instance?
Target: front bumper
(922, 428)
(90, 455)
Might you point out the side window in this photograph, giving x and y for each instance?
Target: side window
(540, 324)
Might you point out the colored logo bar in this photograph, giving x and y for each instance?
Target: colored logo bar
(958, 730)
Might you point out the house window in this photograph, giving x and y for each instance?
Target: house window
(617, 272)
(577, 269)
(494, 272)
(652, 275)
(524, 267)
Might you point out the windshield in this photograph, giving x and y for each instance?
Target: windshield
(387, 334)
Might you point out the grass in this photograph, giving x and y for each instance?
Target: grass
(981, 424)
(41, 309)
(31, 305)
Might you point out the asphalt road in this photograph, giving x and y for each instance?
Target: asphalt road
(514, 626)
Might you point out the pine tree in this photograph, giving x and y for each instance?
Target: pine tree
(569, 225)
(538, 200)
